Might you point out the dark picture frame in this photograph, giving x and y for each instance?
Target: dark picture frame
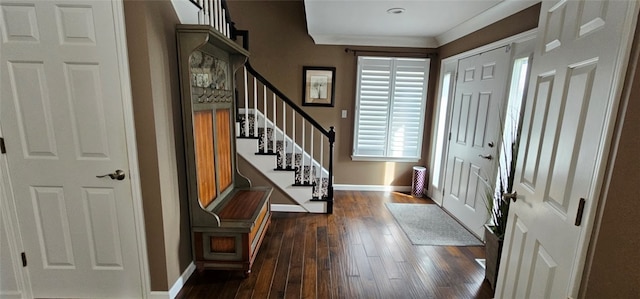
(318, 86)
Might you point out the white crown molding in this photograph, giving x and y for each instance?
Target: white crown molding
(486, 18)
(375, 41)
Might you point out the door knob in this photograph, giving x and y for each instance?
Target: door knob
(491, 144)
(513, 195)
(488, 157)
(117, 175)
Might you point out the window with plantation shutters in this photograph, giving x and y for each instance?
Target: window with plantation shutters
(390, 104)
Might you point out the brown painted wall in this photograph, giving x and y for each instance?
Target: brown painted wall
(280, 47)
(150, 27)
(522, 21)
(613, 268)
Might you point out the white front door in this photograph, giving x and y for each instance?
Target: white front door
(61, 113)
(475, 135)
(571, 104)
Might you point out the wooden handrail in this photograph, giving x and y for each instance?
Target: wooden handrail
(284, 98)
(195, 3)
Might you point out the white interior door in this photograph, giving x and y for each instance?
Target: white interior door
(574, 88)
(475, 135)
(61, 113)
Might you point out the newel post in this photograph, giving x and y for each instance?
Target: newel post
(332, 140)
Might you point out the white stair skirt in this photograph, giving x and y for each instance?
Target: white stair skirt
(283, 180)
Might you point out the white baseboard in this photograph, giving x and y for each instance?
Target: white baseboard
(177, 286)
(10, 295)
(158, 295)
(371, 188)
(275, 207)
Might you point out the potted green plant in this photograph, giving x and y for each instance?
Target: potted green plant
(498, 198)
(498, 205)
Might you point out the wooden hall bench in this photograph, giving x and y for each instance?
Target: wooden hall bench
(229, 217)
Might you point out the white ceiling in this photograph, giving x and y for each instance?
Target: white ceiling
(425, 23)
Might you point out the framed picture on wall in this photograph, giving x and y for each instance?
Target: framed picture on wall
(318, 86)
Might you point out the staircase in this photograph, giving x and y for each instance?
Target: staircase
(273, 134)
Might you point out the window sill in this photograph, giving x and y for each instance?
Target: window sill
(384, 159)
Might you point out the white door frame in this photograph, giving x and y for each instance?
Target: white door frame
(6, 193)
(435, 192)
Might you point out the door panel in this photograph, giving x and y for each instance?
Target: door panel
(478, 104)
(570, 108)
(61, 112)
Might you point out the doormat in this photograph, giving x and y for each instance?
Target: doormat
(428, 224)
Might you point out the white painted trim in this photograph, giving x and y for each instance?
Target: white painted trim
(158, 295)
(371, 188)
(496, 13)
(132, 150)
(276, 207)
(518, 38)
(376, 41)
(177, 286)
(11, 295)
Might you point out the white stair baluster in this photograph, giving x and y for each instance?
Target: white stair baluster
(246, 104)
(224, 22)
(219, 7)
(284, 135)
(293, 139)
(264, 114)
(216, 15)
(319, 188)
(273, 140)
(302, 181)
(211, 14)
(205, 8)
(311, 160)
(201, 12)
(255, 107)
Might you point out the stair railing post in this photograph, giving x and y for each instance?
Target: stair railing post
(332, 140)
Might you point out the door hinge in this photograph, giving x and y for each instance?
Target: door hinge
(24, 259)
(3, 149)
(449, 136)
(580, 212)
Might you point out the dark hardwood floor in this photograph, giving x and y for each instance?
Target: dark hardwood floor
(358, 252)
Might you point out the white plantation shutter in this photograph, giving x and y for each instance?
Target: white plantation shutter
(390, 104)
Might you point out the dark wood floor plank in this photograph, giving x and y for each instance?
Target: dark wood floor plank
(359, 251)
(296, 265)
(279, 284)
(310, 276)
(265, 276)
